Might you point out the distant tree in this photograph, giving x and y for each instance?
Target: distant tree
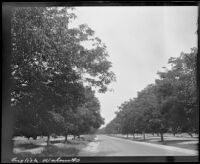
(169, 105)
(88, 115)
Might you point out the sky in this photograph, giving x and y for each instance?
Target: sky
(139, 40)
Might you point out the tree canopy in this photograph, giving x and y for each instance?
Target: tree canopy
(53, 74)
(168, 105)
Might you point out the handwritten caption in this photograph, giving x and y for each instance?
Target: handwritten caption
(44, 160)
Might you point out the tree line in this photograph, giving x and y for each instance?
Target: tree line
(169, 105)
(54, 75)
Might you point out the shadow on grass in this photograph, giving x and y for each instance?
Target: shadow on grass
(25, 154)
(74, 142)
(156, 141)
(58, 141)
(171, 142)
(165, 142)
(97, 140)
(66, 142)
(192, 146)
(70, 148)
(28, 146)
(52, 151)
(175, 143)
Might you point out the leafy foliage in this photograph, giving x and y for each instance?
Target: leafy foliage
(52, 70)
(169, 105)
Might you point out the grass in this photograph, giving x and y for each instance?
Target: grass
(20, 143)
(188, 146)
(24, 155)
(54, 151)
(172, 142)
(58, 141)
(56, 148)
(28, 146)
(89, 138)
(76, 142)
(176, 144)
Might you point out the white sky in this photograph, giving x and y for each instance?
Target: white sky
(139, 40)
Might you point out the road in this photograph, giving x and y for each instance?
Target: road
(111, 146)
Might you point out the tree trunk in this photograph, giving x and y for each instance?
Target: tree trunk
(157, 134)
(127, 136)
(144, 135)
(174, 134)
(74, 137)
(162, 138)
(48, 140)
(66, 137)
(133, 136)
(190, 134)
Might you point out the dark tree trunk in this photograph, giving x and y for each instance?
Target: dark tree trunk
(157, 134)
(161, 135)
(133, 136)
(143, 135)
(174, 134)
(66, 137)
(74, 137)
(48, 140)
(190, 134)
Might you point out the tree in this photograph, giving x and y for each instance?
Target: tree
(185, 68)
(49, 65)
(169, 105)
(182, 101)
(87, 117)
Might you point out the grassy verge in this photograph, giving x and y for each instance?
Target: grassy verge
(52, 151)
(178, 141)
(57, 148)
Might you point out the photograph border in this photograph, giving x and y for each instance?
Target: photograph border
(7, 116)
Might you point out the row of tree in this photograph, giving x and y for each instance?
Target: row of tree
(169, 105)
(54, 75)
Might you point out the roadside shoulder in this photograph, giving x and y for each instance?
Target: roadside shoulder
(166, 147)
